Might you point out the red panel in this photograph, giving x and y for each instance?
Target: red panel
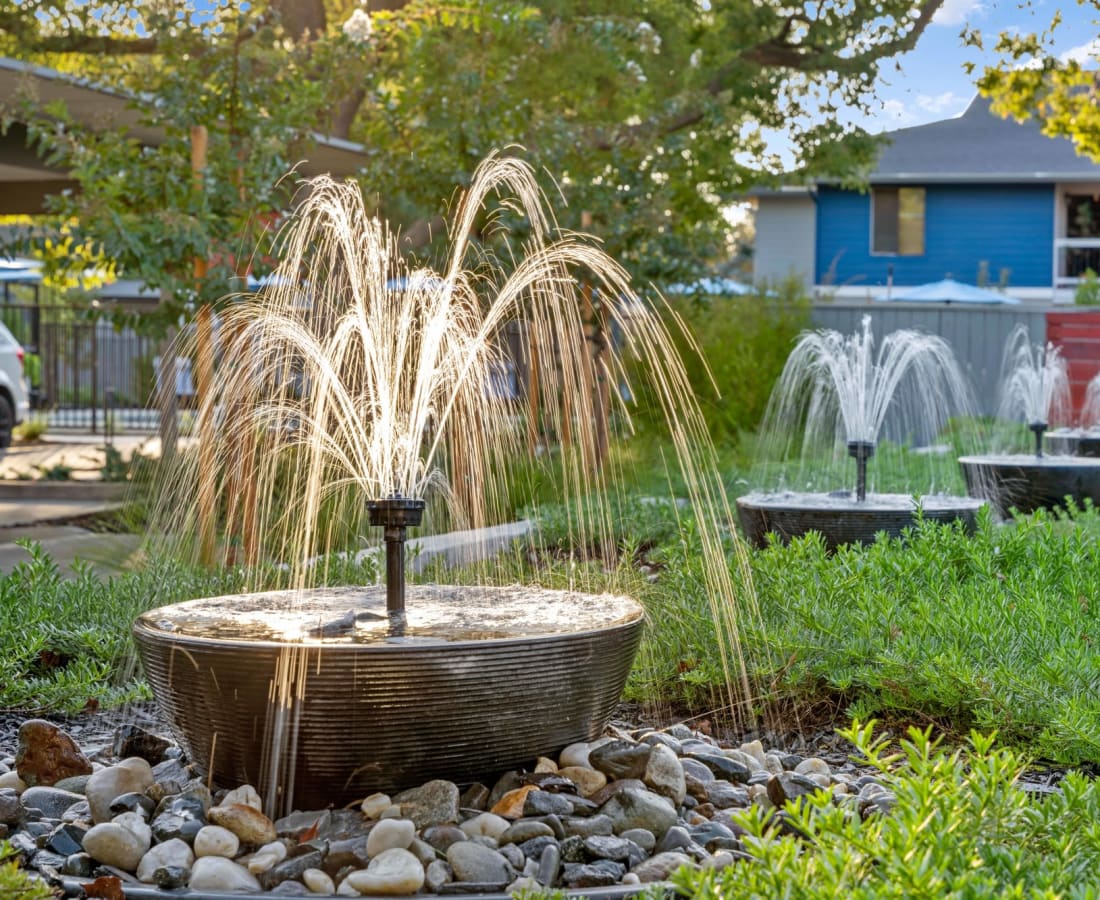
(1077, 335)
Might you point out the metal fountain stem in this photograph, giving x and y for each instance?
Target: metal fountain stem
(861, 451)
(394, 514)
(1037, 428)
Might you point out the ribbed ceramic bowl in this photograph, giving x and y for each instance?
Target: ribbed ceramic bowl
(840, 519)
(1027, 483)
(313, 700)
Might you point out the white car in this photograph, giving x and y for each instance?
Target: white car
(14, 405)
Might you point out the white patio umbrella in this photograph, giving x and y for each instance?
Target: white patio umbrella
(950, 291)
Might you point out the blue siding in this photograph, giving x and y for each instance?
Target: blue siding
(1007, 226)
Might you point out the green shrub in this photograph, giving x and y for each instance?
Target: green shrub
(743, 343)
(960, 828)
(17, 884)
(30, 429)
(1088, 290)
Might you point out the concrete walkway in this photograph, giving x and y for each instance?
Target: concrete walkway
(44, 511)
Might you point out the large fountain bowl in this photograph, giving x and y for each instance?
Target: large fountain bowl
(484, 679)
(841, 519)
(1026, 482)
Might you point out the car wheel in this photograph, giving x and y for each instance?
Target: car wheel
(7, 422)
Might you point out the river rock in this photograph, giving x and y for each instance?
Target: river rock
(724, 794)
(388, 834)
(114, 845)
(394, 872)
(633, 808)
(524, 830)
(485, 825)
(132, 775)
(440, 837)
(213, 840)
(171, 853)
(318, 881)
(437, 874)
(250, 825)
(790, 786)
(216, 873)
(266, 858)
(664, 774)
(620, 759)
(133, 740)
(46, 754)
(588, 781)
(510, 806)
(641, 837)
(473, 862)
(13, 781)
(577, 826)
(246, 795)
(544, 803)
(433, 803)
(12, 810)
(660, 867)
(373, 806)
(575, 755)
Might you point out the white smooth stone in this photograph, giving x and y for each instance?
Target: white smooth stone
(376, 804)
(388, 834)
(132, 775)
(318, 881)
(487, 825)
(393, 873)
(245, 794)
(813, 766)
(347, 889)
(755, 749)
(135, 823)
(12, 780)
(174, 852)
(113, 845)
(216, 873)
(213, 840)
(575, 755)
(266, 857)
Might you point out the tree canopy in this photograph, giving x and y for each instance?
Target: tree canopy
(1032, 80)
(648, 117)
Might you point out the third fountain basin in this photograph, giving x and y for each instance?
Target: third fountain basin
(1026, 482)
(841, 519)
(312, 697)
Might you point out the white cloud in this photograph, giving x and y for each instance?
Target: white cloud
(946, 104)
(1083, 54)
(956, 12)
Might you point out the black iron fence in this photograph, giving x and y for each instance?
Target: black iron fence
(82, 372)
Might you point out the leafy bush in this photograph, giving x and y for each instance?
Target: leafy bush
(30, 429)
(1088, 290)
(743, 342)
(961, 828)
(65, 644)
(17, 884)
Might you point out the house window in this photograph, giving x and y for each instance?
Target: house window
(897, 220)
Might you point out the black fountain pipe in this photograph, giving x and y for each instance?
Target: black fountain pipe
(861, 451)
(1037, 428)
(394, 514)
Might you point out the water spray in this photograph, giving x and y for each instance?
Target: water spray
(394, 514)
(861, 451)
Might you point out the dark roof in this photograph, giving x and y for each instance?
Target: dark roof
(25, 179)
(980, 146)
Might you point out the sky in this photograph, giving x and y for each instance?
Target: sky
(929, 82)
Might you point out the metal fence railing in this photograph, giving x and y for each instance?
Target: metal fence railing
(80, 368)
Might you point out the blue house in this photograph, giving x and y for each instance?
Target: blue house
(976, 198)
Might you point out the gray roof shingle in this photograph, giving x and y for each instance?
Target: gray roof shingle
(979, 146)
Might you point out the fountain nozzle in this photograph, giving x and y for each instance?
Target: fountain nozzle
(861, 451)
(394, 514)
(1037, 428)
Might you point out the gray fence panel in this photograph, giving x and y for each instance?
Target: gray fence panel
(977, 334)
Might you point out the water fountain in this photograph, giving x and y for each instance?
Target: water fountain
(356, 381)
(1084, 440)
(839, 394)
(1035, 389)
